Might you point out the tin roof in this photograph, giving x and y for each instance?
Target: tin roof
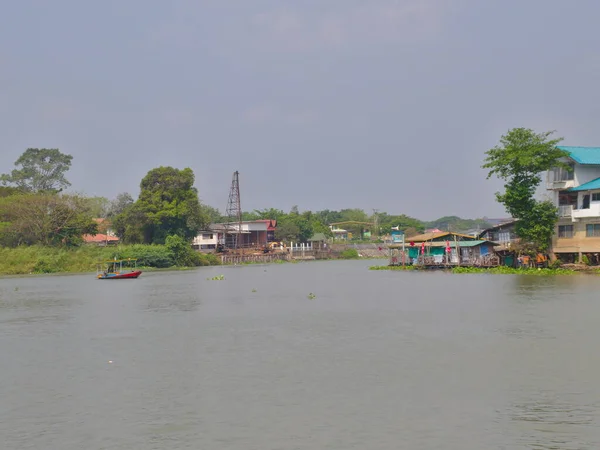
(474, 243)
(429, 236)
(583, 155)
(589, 186)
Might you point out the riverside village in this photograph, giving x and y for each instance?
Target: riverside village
(574, 189)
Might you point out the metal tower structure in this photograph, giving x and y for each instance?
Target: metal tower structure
(234, 214)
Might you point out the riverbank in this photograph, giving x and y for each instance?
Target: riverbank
(502, 270)
(44, 260)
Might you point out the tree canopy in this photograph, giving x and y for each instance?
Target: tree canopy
(41, 170)
(519, 160)
(168, 204)
(45, 219)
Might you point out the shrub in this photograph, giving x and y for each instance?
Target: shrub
(349, 253)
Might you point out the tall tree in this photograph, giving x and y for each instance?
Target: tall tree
(99, 206)
(168, 205)
(519, 160)
(41, 170)
(45, 219)
(119, 204)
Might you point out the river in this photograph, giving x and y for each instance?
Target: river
(371, 360)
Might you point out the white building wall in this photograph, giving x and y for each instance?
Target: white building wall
(585, 174)
(206, 238)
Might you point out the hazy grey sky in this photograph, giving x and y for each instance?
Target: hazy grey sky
(318, 103)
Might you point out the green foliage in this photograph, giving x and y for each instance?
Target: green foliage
(168, 204)
(556, 264)
(42, 259)
(119, 204)
(183, 254)
(519, 160)
(408, 267)
(7, 191)
(349, 253)
(212, 214)
(98, 206)
(503, 270)
(45, 219)
(403, 222)
(457, 224)
(585, 260)
(537, 224)
(41, 170)
(218, 278)
(287, 231)
(158, 256)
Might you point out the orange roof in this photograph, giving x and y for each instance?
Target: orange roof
(99, 238)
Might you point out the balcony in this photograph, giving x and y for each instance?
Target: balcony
(565, 211)
(592, 211)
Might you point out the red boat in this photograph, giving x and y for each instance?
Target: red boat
(118, 269)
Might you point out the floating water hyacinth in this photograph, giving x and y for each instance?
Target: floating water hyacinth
(218, 277)
(311, 296)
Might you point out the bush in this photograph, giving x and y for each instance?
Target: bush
(349, 253)
(45, 265)
(556, 264)
(157, 256)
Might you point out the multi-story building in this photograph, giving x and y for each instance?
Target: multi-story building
(576, 192)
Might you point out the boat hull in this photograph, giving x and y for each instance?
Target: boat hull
(120, 276)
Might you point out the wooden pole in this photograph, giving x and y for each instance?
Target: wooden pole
(457, 250)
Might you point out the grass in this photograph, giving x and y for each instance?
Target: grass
(38, 259)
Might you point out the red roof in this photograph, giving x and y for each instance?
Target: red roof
(272, 223)
(99, 238)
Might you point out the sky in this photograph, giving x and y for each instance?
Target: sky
(323, 104)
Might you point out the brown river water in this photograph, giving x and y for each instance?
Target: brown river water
(376, 360)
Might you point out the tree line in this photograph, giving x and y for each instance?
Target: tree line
(36, 210)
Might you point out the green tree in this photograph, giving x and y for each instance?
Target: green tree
(168, 205)
(119, 204)
(402, 221)
(99, 206)
(213, 214)
(287, 231)
(129, 224)
(519, 160)
(41, 170)
(45, 219)
(457, 224)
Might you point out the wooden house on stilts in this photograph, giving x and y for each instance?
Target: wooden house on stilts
(444, 249)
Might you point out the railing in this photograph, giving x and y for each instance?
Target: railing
(565, 210)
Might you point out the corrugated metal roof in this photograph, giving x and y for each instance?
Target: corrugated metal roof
(430, 236)
(443, 244)
(583, 155)
(589, 186)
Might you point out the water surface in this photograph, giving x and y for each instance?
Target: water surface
(377, 360)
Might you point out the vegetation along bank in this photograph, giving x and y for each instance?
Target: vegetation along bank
(43, 259)
(501, 270)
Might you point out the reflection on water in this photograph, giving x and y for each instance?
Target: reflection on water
(377, 360)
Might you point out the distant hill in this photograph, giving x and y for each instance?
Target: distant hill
(460, 225)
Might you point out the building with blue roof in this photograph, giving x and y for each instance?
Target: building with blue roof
(576, 192)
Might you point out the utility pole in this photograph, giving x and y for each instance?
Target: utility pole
(376, 221)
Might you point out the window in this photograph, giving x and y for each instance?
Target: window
(207, 236)
(592, 230)
(596, 197)
(504, 236)
(562, 174)
(566, 231)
